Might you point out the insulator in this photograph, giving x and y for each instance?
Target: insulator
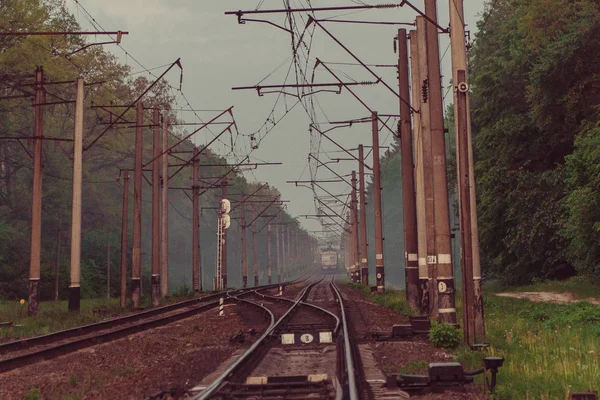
(425, 90)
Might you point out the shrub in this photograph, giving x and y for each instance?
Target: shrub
(445, 336)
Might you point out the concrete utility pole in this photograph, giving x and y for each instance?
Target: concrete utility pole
(124, 238)
(419, 173)
(283, 252)
(465, 210)
(277, 243)
(379, 262)
(355, 231)
(136, 254)
(363, 215)
(57, 267)
(445, 274)
(269, 271)
(254, 251)
(429, 300)
(156, 147)
(195, 223)
(224, 258)
(108, 270)
(36, 196)
(288, 253)
(164, 213)
(411, 261)
(74, 286)
(459, 62)
(244, 246)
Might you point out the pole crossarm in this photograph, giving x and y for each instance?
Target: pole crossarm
(264, 210)
(329, 193)
(360, 62)
(196, 131)
(330, 169)
(332, 217)
(242, 20)
(312, 126)
(271, 218)
(218, 181)
(331, 209)
(319, 62)
(314, 181)
(339, 85)
(181, 166)
(246, 197)
(60, 33)
(314, 9)
(129, 107)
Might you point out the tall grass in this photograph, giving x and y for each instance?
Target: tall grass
(392, 299)
(54, 315)
(549, 349)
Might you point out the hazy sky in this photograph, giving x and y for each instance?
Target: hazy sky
(217, 54)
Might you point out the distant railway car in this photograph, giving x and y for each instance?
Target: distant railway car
(329, 261)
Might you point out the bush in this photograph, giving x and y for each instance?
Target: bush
(445, 336)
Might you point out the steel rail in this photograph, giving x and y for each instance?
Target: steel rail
(273, 298)
(68, 347)
(113, 322)
(81, 330)
(353, 391)
(220, 381)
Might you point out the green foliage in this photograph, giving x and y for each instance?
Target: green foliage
(445, 336)
(183, 291)
(550, 349)
(392, 299)
(535, 89)
(33, 395)
(123, 371)
(582, 203)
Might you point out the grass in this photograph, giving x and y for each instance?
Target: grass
(581, 287)
(32, 395)
(54, 315)
(123, 371)
(550, 349)
(392, 299)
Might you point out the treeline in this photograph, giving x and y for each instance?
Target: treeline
(103, 182)
(535, 111)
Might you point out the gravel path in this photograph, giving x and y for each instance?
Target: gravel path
(173, 356)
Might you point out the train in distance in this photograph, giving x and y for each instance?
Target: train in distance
(329, 260)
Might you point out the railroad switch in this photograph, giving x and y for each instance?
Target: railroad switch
(445, 376)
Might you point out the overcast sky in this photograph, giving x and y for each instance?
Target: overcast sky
(217, 54)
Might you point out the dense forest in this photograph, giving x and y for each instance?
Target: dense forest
(536, 107)
(102, 177)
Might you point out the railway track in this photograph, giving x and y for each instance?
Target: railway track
(305, 353)
(27, 351)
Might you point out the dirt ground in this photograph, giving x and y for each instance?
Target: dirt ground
(178, 355)
(551, 297)
(409, 356)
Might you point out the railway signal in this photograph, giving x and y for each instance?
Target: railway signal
(223, 224)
